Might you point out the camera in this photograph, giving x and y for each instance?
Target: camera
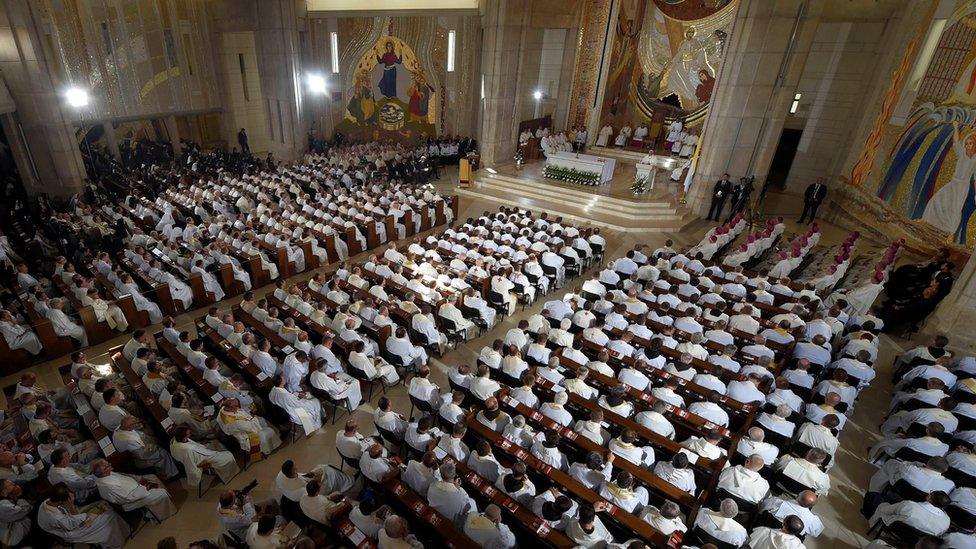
(242, 493)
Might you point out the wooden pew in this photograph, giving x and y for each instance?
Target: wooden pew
(54, 345)
(254, 376)
(687, 388)
(12, 361)
(160, 419)
(683, 420)
(89, 418)
(583, 445)
(96, 330)
(191, 374)
(528, 520)
(279, 344)
(411, 502)
(613, 513)
(156, 291)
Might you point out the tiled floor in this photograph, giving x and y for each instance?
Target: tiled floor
(844, 524)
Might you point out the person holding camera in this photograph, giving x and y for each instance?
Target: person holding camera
(236, 510)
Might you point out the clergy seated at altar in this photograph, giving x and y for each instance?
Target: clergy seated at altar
(133, 491)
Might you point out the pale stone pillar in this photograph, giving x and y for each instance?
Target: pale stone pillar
(43, 120)
(956, 315)
(174, 134)
(502, 23)
(282, 78)
(112, 139)
(751, 97)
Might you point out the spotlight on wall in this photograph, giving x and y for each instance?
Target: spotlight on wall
(334, 51)
(316, 83)
(76, 97)
(450, 50)
(537, 95)
(796, 103)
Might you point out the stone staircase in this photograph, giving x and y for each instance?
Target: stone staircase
(576, 203)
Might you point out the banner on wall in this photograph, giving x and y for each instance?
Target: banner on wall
(390, 95)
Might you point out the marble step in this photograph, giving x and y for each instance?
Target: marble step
(575, 195)
(582, 213)
(623, 154)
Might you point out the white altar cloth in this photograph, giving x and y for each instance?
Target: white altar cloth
(583, 163)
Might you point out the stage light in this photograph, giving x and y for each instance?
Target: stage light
(76, 97)
(537, 95)
(334, 47)
(316, 83)
(796, 103)
(450, 51)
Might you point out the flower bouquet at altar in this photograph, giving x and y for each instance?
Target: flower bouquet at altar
(571, 175)
(639, 186)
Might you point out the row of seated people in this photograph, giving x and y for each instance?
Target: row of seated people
(721, 242)
(342, 306)
(315, 498)
(59, 483)
(859, 286)
(286, 390)
(815, 442)
(924, 491)
(146, 403)
(355, 313)
(356, 161)
(202, 240)
(420, 436)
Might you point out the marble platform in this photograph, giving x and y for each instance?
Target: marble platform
(612, 205)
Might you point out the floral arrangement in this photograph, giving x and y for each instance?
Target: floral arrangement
(518, 156)
(571, 175)
(639, 186)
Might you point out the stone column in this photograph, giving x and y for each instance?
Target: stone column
(502, 23)
(43, 118)
(174, 134)
(753, 91)
(956, 315)
(112, 139)
(282, 81)
(606, 44)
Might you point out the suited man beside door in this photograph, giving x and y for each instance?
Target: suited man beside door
(814, 195)
(720, 192)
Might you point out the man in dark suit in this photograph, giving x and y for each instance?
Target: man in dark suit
(242, 141)
(814, 195)
(740, 198)
(720, 192)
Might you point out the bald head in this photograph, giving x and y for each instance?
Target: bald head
(807, 498)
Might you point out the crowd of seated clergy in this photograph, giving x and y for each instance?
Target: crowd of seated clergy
(202, 223)
(416, 162)
(924, 489)
(630, 386)
(59, 484)
(778, 467)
